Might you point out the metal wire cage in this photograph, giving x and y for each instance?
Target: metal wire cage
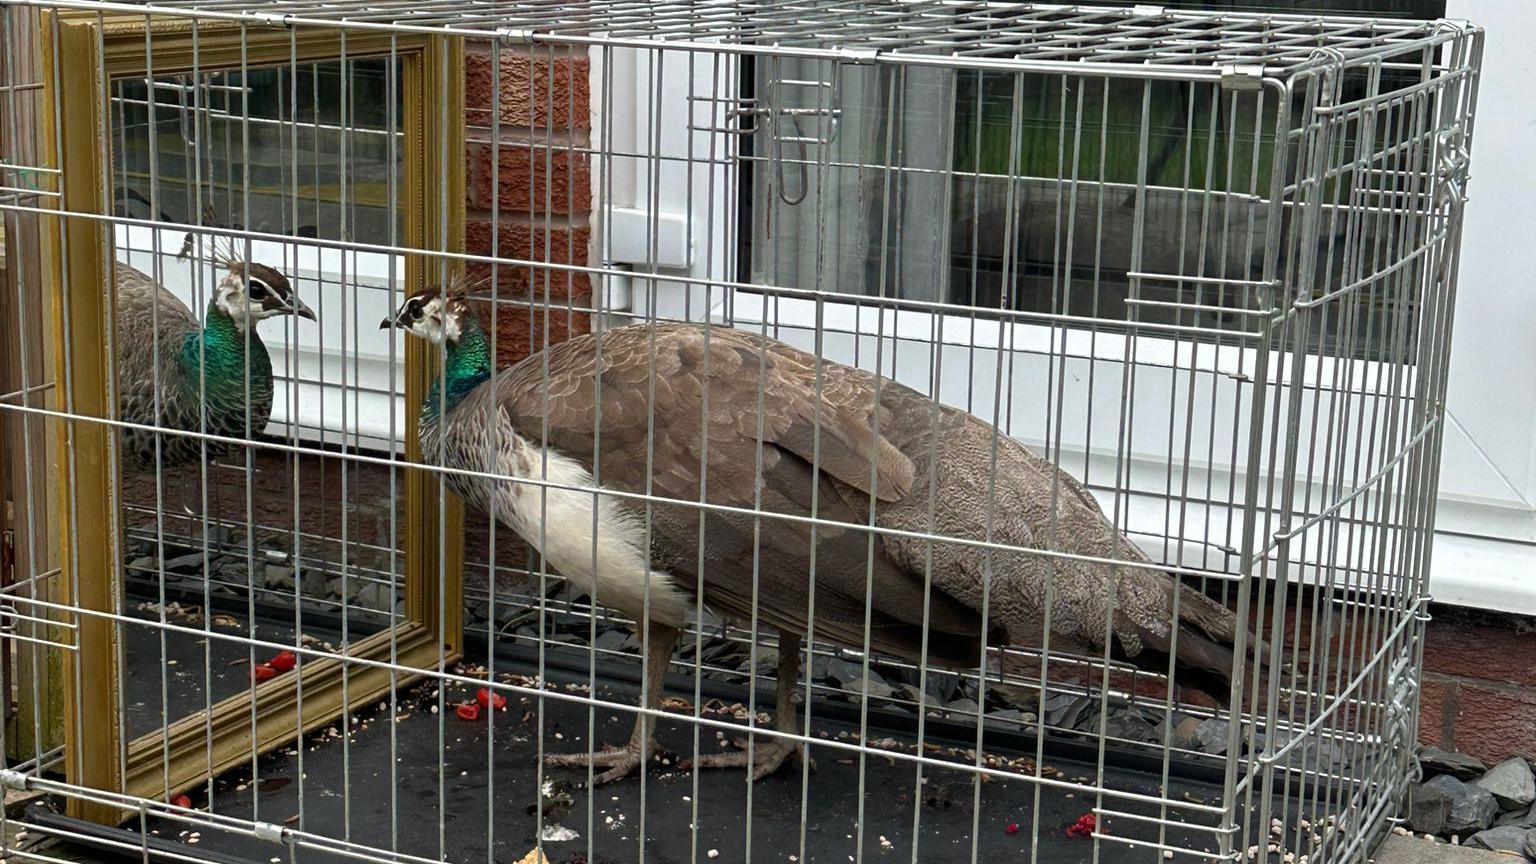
(1184, 278)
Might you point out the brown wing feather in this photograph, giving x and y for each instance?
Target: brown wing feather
(627, 363)
(598, 409)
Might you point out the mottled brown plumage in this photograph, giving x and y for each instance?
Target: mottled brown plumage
(731, 366)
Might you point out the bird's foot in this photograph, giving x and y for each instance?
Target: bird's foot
(620, 761)
(765, 757)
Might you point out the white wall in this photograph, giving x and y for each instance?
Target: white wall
(1486, 552)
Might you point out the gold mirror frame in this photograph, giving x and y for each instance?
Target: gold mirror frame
(81, 52)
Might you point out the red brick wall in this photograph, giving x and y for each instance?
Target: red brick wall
(530, 189)
(1479, 684)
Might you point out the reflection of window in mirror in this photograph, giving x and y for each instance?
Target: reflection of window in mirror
(324, 148)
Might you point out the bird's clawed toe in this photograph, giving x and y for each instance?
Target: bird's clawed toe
(765, 758)
(620, 761)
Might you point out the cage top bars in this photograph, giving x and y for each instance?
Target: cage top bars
(1144, 41)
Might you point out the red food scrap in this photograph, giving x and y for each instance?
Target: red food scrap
(283, 661)
(468, 711)
(1013, 828)
(264, 672)
(487, 699)
(1083, 827)
(182, 801)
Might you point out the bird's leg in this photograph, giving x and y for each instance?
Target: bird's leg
(769, 755)
(622, 761)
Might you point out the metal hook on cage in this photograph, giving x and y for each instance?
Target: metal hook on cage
(832, 115)
(737, 113)
(778, 159)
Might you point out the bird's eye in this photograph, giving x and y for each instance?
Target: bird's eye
(257, 289)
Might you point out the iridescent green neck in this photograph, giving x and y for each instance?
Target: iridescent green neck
(223, 346)
(466, 366)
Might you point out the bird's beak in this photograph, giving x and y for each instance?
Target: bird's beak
(300, 309)
(387, 323)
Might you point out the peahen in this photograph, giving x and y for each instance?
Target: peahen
(539, 419)
(170, 368)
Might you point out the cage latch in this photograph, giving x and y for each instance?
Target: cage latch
(1242, 76)
(784, 109)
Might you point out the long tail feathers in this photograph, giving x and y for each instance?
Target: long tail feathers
(1202, 648)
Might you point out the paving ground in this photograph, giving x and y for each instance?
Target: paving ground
(1415, 850)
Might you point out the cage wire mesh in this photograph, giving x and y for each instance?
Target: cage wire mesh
(1019, 428)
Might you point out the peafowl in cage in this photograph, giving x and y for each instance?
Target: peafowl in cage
(176, 373)
(637, 396)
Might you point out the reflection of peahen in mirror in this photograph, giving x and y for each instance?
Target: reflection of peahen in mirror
(177, 374)
(692, 413)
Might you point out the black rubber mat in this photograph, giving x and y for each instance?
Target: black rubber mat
(417, 781)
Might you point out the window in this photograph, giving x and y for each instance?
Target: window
(918, 184)
(322, 152)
